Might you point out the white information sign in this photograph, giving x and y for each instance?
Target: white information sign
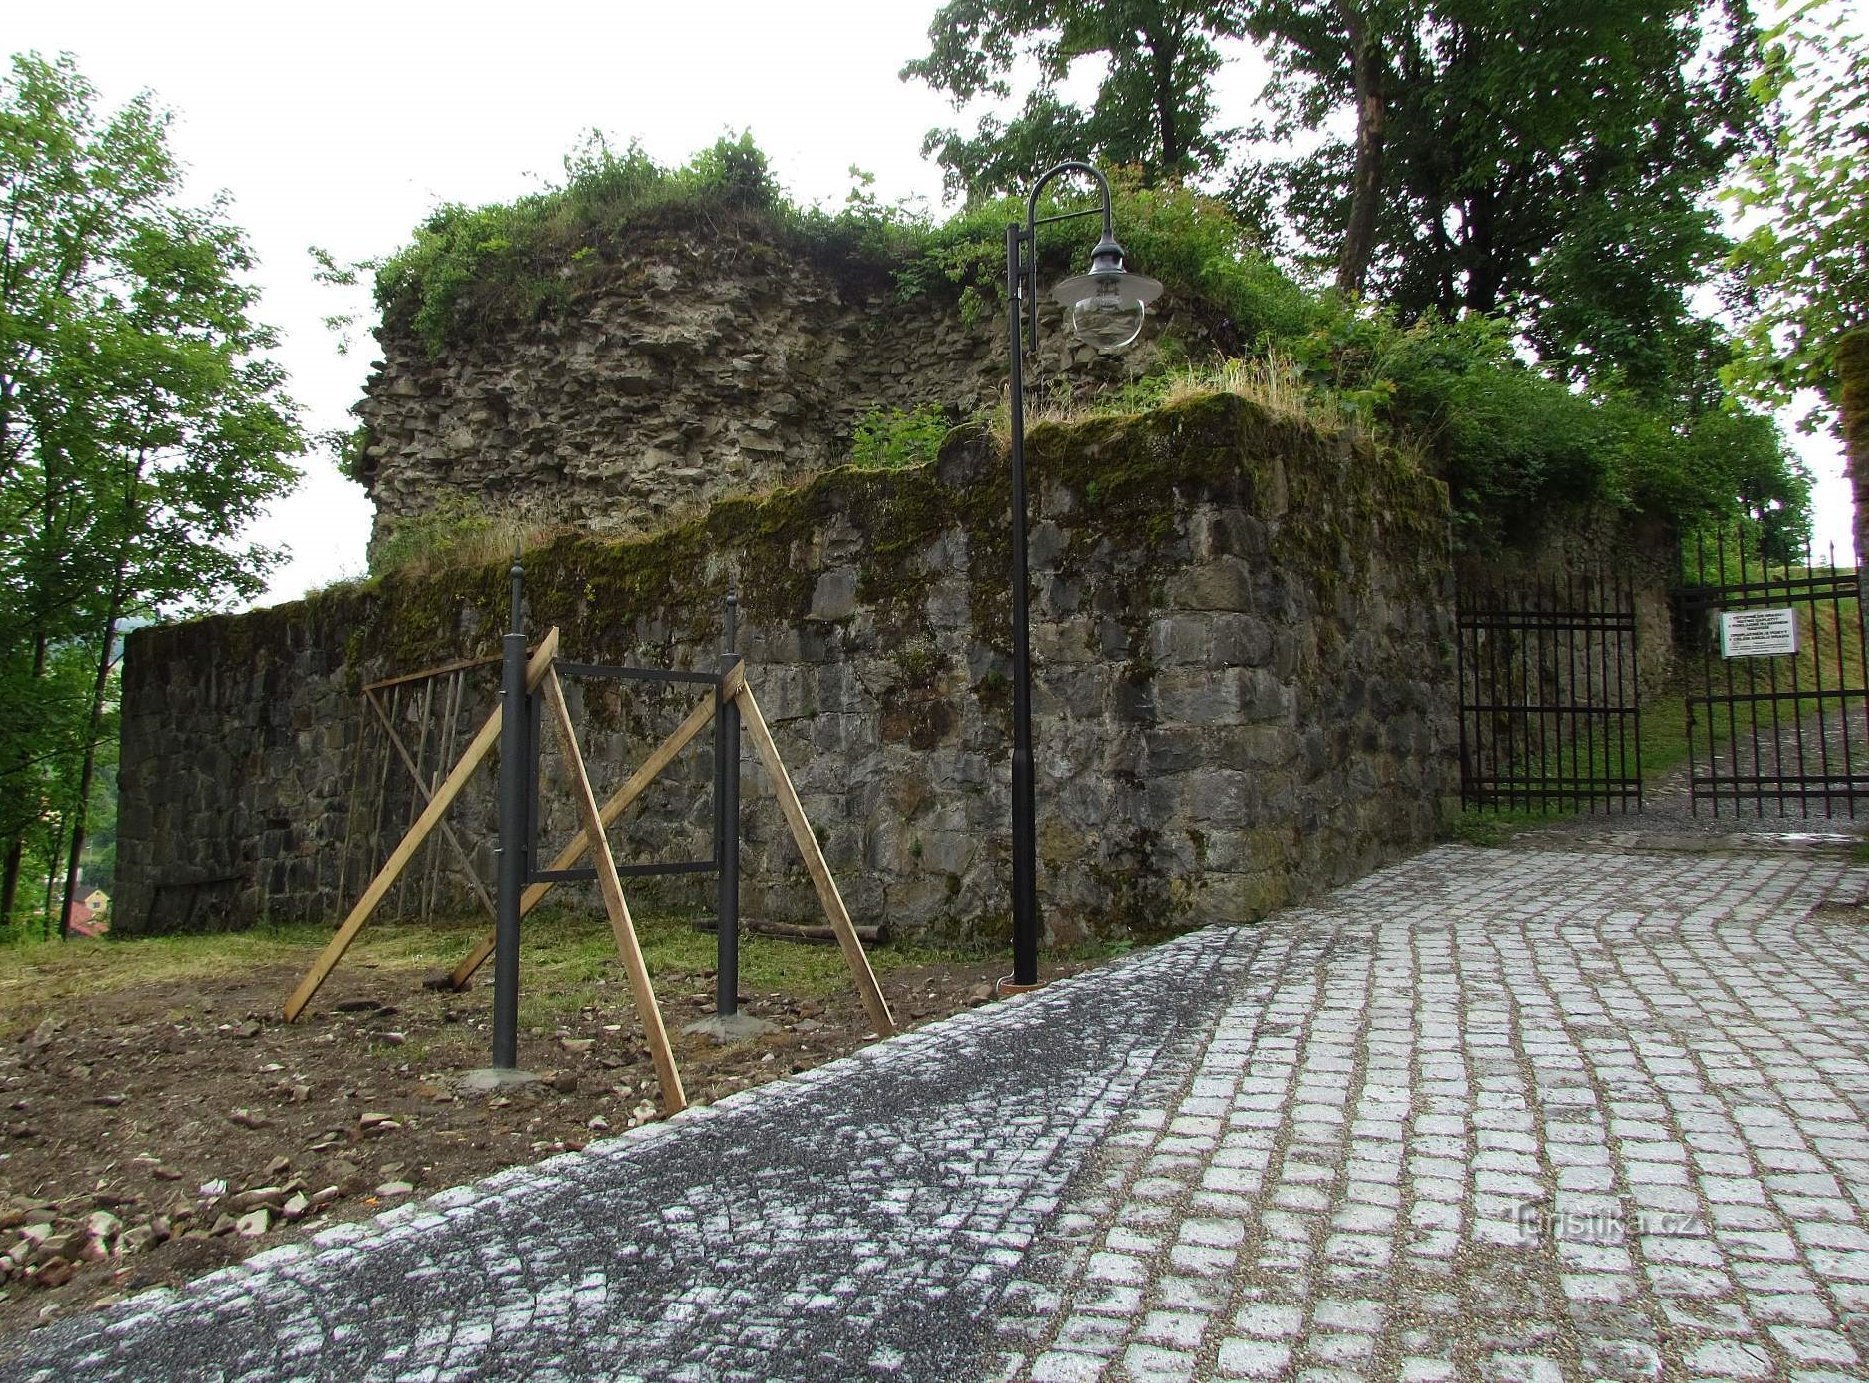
(1758, 633)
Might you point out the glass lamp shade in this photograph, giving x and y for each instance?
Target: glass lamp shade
(1107, 307)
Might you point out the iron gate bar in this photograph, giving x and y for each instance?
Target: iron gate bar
(585, 873)
(1719, 777)
(1544, 722)
(638, 674)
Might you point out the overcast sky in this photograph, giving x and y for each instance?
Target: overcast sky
(342, 125)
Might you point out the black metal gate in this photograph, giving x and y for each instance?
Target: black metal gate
(1777, 710)
(1550, 711)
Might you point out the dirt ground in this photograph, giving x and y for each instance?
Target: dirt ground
(154, 1130)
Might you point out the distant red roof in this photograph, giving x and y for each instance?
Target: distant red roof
(84, 922)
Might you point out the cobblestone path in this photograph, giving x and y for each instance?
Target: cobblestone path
(1516, 1115)
(1513, 1115)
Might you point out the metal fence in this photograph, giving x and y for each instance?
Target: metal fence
(1777, 707)
(1550, 710)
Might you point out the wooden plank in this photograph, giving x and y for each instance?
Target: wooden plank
(834, 912)
(634, 787)
(673, 1098)
(788, 931)
(428, 795)
(483, 742)
(459, 665)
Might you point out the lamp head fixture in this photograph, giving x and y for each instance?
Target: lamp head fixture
(1107, 303)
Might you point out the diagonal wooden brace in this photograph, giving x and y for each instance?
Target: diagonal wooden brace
(618, 803)
(536, 668)
(867, 988)
(674, 1100)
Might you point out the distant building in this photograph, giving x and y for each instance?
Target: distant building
(90, 915)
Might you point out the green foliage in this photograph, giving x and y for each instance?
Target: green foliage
(889, 439)
(1805, 261)
(1511, 439)
(1190, 242)
(457, 530)
(1154, 105)
(468, 263)
(1552, 163)
(142, 427)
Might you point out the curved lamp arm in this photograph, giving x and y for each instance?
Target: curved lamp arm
(1107, 302)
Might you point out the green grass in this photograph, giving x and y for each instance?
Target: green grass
(563, 954)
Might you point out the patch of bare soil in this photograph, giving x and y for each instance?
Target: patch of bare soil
(164, 1130)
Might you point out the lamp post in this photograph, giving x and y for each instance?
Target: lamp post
(1106, 304)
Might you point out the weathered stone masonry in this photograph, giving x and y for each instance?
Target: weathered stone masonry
(1243, 638)
(703, 367)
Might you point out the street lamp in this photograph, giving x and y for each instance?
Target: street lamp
(1106, 305)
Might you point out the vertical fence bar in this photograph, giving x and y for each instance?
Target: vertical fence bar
(1732, 703)
(1635, 659)
(1461, 703)
(1845, 683)
(516, 768)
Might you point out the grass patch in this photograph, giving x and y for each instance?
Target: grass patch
(1492, 827)
(39, 974)
(563, 955)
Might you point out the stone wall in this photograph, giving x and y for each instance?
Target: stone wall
(708, 365)
(1577, 554)
(1243, 639)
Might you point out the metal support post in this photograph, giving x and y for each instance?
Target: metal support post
(515, 775)
(727, 831)
(1025, 919)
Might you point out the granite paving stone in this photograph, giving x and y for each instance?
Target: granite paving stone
(1524, 1114)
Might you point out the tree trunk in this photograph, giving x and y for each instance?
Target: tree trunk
(9, 878)
(1167, 126)
(51, 879)
(100, 687)
(16, 848)
(1367, 66)
(1852, 371)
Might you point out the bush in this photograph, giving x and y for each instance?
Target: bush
(889, 439)
(457, 531)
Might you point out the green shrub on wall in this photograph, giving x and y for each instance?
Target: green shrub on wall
(456, 532)
(1513, 441)
(889, 439)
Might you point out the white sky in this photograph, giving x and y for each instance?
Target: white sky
(343, 124)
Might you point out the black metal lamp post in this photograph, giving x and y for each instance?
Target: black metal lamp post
(1106, 304)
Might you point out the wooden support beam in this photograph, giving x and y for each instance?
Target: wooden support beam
(867, 988)
(459, 665)
(482, 744)
(634, 787)
(428, 795)
(654, 1033)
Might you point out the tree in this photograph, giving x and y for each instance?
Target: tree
(141, 425)
(1551, 161)
(1154, 104)
(1806, 261)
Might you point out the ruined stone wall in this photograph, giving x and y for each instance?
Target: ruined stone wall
(1243, 640)
(711, 364)
(1573, 558)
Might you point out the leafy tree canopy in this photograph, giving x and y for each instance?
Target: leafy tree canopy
(142, 426)
(1154, 106)
(1806, 260)
(1552, 161)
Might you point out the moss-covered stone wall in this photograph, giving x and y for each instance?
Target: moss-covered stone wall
(1243, 639)
(708, 365)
